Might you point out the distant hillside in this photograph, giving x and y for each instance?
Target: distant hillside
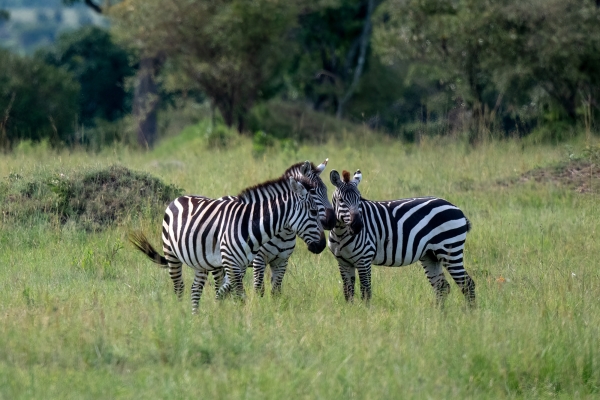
(37, 23)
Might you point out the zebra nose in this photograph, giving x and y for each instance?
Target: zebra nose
(356, 224)
(318, 247)
(329, 221)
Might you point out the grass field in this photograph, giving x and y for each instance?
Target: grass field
(84, 315)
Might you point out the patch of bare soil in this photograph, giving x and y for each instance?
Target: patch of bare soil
(581, 176)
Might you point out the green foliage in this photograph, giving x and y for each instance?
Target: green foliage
(232, 50)
(506, 61)
(219, 136)
(101, 68)
(93, 199)
(297, 122)
(261, 141)
(37, 101)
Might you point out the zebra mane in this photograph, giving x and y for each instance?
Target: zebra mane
(249, 194)
(295, 169)
(346, 176)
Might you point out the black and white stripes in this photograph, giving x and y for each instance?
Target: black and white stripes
(278, 250)
(223, 235)
(396, 233)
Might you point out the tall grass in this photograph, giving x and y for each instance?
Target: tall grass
(86, 316)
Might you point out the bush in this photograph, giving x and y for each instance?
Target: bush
(92, 199)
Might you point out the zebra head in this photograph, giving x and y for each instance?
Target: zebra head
(346, 200)
(312, 173)
(306, 222)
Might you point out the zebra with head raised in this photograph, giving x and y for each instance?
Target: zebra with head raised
(396, 233)
(223, 235)
(278, 250)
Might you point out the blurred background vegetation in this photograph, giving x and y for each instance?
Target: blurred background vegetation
(96, 73)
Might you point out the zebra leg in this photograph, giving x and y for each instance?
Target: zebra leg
(435, 275)
(453, 261)
(259, 264)
(364, 275)
(278, 268)
(197, 288)
(233, 281)
(219, 277)
(348, 273)
(175, 272)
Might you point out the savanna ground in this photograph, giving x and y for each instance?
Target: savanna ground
(84, 315)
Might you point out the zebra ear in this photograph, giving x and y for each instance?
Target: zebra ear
(321, 167)
(357, 178)
(297, 187)
(306, 168)
(334, 177)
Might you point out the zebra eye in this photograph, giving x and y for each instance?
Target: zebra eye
(313, 213)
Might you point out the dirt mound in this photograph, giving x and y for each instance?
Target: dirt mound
(581, 176)
(93, 199)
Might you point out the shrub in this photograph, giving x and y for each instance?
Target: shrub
(92, 199)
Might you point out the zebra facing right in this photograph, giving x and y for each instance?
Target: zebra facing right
(223, 235)
(396, 233)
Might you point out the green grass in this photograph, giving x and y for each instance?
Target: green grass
(86, 316)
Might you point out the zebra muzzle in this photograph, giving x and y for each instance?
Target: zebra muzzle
(329, 221)
(356, 223)
(318, 247)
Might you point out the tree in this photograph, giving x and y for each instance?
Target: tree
(231, 49)
(334, 37)
(145, 96)
(501, 57)
(37, 101)
(100, 67)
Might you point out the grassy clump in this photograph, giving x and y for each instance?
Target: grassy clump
(93, 199)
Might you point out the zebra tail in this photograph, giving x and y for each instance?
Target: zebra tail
(139, 240)
(468, 224)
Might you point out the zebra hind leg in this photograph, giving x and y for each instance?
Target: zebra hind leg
(435, 275)
(175, 272)
(455, 267)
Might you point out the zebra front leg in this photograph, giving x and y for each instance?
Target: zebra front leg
(278, 268)
(259, 264)
(197, 288)
(364, 275)
(233, 281)
(348, 280)
(435, 275)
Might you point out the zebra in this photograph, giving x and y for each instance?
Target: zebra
(396, 233)
(223, 235)
(278, 250)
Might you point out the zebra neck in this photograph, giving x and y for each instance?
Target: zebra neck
(259, 222)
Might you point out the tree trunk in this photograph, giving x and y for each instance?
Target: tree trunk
(145, 102)
(364, 44)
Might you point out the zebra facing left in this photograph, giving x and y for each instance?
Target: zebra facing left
(396, 233)
(223, 235)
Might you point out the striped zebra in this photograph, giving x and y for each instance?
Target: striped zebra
(223, 235)
(396, 233)
(278, 250)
